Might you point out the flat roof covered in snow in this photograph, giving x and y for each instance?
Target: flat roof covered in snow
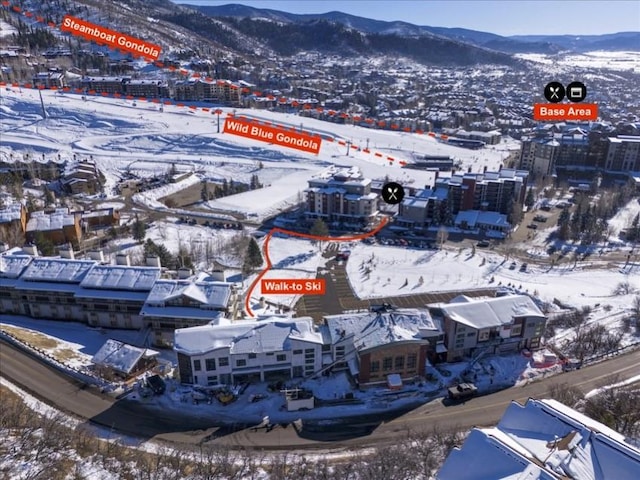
(57, 270)
(208, 294)
(491, 312)
(269, 335)
(121, 277)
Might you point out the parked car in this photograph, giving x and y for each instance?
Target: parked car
(523, 267)
(532, 226)
(482, 244)
(156, 384)
(513, 266)
(540, 218)
(462, 391)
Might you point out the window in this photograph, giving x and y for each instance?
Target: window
(326, 348)
(412, 360)
(516, 330)
(241, 362)
(253, 355)
(197, 366)
(399, 363)
(309, 350)
(471, 334)
(340, 351)
(387, 363)
(375, 366)
(269, 354)
(213, 380)
(297, 352)
(210, 364)
(484, 335)
(281, 358)
(297, 371)
(223, 362)
(310, 360)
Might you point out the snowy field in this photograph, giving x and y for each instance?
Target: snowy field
(377, 271)
(619, 61)
(124, 135)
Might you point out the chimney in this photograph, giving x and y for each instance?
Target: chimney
(184, 273)
(469, 170)
(153, 261)
(97, 255)
(123, 259)
(30, 249)
(484, 170)
(218, 276)
(66, 251)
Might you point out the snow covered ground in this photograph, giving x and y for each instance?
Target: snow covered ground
(136, 136)
(378, 270)
(619, 61)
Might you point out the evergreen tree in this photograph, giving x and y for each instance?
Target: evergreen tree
(530, 199)
(563, 225)
(139, 230)
(45, 246)
(319, 229)
(253, 257)
(49, 197)
(204, 193)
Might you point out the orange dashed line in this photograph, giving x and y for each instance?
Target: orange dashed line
(180, 104)
(391, 159)
(340, 142)
(378, 154)
(16, 8)
(27, 85)
(205, 109)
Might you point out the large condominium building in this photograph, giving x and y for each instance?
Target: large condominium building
(623, 153)
(342, 196)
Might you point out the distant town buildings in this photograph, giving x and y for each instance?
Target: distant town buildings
(543, 440)
(343, 197)
(58, 227)
(551, 150)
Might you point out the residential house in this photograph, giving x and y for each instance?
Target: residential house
(342, 196)
(13, 218)
(60, 226)
(104, 217)
(113, 295)
(245, 351)
(82, 177)
(543, 440)
(374, 345)
(174, 304)
(490, 223)
(490, 325)
(116, 359)
(47, 288)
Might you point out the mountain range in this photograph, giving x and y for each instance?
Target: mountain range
(507, 44)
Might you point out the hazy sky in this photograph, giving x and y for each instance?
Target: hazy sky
(504, 17)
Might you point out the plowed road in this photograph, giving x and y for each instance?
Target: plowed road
(133, 419)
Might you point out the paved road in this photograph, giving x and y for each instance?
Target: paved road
(133, 418)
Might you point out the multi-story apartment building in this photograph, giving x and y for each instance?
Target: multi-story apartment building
(208, 90)
(623, 153)
(105, 84)
(342, 196)
(549, 151)
(113, 295)
(47, 288)
(245, 351)
(492, 325)
(50, 79)
(147, 88)
(173, 304)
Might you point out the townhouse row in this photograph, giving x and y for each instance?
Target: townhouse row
(112, 296)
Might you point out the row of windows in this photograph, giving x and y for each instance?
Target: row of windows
(389, 363)
(210, 363)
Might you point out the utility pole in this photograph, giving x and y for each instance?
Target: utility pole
(348, 146)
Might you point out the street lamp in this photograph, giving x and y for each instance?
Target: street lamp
(217, 111)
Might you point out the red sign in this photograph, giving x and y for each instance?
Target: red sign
(269, 134)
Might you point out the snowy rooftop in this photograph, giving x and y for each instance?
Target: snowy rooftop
(492, 312)
(41, 221)
(120, 356)
(269, 335)
(11, 266)
(476, 217)
(543, 439)
(208, 294)
(10, 213)
(57, 270)
(117, 277)
(373, 329)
